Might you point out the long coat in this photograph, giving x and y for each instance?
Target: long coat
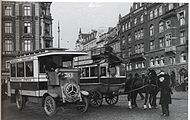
(165, 90)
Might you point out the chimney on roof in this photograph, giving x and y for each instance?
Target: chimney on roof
(80, 31)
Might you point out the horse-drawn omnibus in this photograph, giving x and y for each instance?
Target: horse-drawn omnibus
(47, 77)
(104, 77)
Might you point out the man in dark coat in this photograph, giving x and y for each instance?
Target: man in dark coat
(165, 92)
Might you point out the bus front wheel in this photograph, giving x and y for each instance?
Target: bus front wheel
(49, 105)
(20, 101)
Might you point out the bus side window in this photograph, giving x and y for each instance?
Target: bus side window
(20, 69)
(82, 72)
(87, 72)
(29, 69)
(103, 71)
(93, 71)
(13, 70)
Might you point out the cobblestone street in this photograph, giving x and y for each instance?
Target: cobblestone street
(178, 111)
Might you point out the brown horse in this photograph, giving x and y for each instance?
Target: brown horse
(146, 84)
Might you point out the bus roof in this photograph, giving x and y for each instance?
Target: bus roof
(49, 52)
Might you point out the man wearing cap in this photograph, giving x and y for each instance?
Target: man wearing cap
(165, 92)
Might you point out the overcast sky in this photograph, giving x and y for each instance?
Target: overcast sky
(86, 16)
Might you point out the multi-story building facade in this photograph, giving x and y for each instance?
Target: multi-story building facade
(155, 35)
(26, 26)
(85, 42)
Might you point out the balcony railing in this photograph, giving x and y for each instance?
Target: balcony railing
(137, 57)
(10, 53)
(170, 49)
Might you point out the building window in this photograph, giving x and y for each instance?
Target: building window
(183, 57)
(127, 67)
(157, 61)
(181, 17)
(129, 25)
(8, 27)
(123, 28)
(27, 27)
(160, 11)
(123, 41)
(155, 13)
(130, 66)
(172, 60)
(129, 52)
(142, 18)
(136, 65)
(27, 11)
(129, 38)
(143, 65)
(151, 62)
(151, 30)
(136, 49)
(136, 6)
(27, 45)
(161, 42)
(151, 15)
(141, 34)
(135, 21)
(8, 45)
(168, 40)
(168, 24)
(47, 30)
(162, 61)
(182, 37)
(152, 45)
(142, 47)
(126, 26)
(180, 4)
(136, 35)
(171, 6)
(139, 48)
(8, 10)
(161, 27)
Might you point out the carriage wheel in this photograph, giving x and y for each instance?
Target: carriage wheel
(83, 106)
(112, 99)
(20, 101)
(49, 106)
(96, 98)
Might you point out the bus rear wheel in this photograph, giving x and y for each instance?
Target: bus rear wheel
(20, 101)
(49, 106)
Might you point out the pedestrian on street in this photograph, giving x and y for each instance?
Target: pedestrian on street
(165, 92)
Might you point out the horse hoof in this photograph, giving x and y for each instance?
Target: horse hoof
(149, 106)
(130, 107)
(145, 107)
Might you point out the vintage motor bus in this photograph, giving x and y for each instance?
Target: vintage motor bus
(47, 77)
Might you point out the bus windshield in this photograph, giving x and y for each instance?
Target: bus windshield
(50, 63)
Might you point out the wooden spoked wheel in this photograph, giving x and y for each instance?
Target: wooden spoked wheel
(49, 106)
(96, 98)
(20, 101)
(83, 106)
(111, 99)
